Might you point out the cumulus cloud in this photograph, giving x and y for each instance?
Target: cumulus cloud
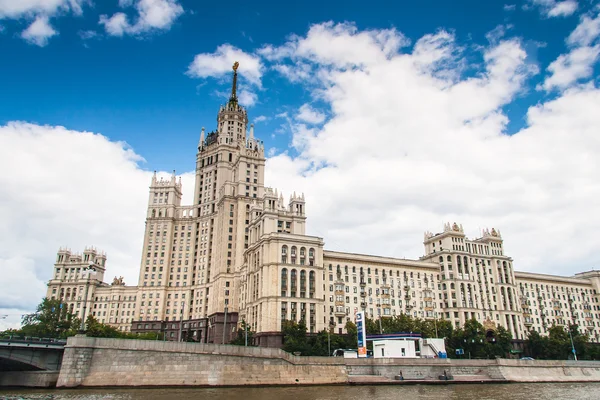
(247, 97)
(39, 12)
(405, 149)
(586, 32)
(70, 189)
(570, 68)
(554, 8)
(152, 16)
(19, 8)
(39, 32)
(219, 64)
(309, 115)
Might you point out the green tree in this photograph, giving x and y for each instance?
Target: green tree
(351, 339)
(537, 345)
(240, 338)
(94, 328)
(294, 337)
(51, 319)
(559, 344)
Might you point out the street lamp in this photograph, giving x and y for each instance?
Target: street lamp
(181, 322)
(331, 326)
(572, 344)
(224, 325)
(90, 268)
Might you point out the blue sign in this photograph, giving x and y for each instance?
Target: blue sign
(362, 334)
(360, 328)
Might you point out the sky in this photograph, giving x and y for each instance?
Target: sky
(393, 117)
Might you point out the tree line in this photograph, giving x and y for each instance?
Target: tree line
(52, 319)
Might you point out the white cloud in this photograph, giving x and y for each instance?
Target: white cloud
(498, 33)
(327, 43)
(20, 8)
(404, 150)
(260, 118)
(586, 32)
(554, 8)
(39, 32)
(72, 189)
(87, 35)
(247, 97)
(308, 114)
(39, 12)
(219, 64)
(296, 73)
(569, 68)
(152, 15)
(509, 7)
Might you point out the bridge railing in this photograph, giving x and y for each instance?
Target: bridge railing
(29, 339)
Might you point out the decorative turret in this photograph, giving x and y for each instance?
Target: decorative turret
(297, 204)
(202, 139)
(165, 194)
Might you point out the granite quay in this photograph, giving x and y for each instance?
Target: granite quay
(118, 362)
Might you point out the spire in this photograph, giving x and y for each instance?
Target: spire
(251, 131)
(201, 142)
(233, 97)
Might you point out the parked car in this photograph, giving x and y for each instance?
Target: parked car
(527, 358)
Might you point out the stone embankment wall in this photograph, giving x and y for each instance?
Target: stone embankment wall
(121, 362)
(39, 379)
(499, 370)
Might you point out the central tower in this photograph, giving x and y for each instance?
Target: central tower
(229, 179)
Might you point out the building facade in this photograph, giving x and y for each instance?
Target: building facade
(241, 253)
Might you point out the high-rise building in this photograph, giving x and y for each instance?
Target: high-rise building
(241, 253)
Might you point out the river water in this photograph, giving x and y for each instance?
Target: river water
(535, 391)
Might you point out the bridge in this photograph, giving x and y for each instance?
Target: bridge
(31, 354)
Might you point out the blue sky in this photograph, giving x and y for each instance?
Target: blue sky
(134, 88)
(392, 117)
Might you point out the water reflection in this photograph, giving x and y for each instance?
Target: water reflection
(538, 391)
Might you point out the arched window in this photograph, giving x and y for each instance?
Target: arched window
(293, 255)
(284, 254)
(441, 259)
(293, 283)
(311, 284)
(302, 255)
(449, 259)
(284, 279)
(311, 257)
(153, 213)
(302, 283)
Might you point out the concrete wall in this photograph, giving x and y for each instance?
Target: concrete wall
(41, 379)
(121, 362)
(423, 368)
(549, 371)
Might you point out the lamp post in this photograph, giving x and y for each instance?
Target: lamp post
(572, 344)
(245, 334)
(224, 325)
(331, 326)
(90, 268)
(435, 323)
(181, 322)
